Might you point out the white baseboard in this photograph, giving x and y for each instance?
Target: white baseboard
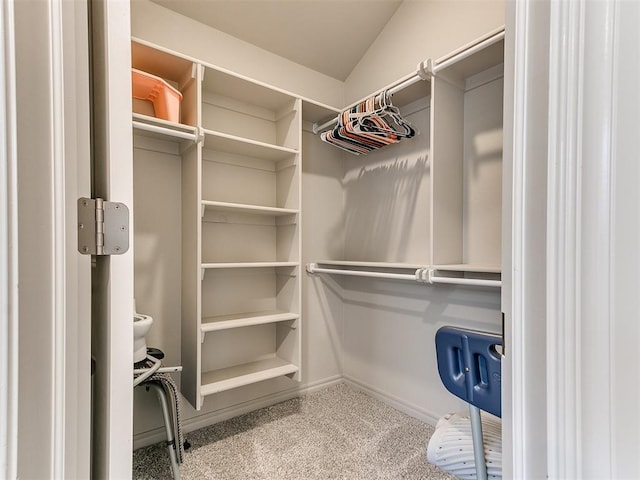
(158, 434)
(410, 409)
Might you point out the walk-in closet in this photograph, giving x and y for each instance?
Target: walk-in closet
(279, 251)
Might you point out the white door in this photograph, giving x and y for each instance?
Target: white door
(112, 328)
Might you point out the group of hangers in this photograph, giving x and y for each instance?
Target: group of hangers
(369, 125)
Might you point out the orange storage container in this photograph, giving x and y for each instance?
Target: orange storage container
(165, 99)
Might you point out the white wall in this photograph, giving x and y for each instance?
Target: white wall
(168, 29)
(420, 29)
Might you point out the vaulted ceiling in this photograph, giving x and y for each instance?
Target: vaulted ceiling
(329, 36)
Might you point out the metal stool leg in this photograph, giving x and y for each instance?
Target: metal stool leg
(478, 442)
(168, 423)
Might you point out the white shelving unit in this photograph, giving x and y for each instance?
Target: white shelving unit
(464, 96)
(239, 143)
(237, 146)
(466, 169)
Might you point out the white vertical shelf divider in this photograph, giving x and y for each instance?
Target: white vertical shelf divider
(466, 151)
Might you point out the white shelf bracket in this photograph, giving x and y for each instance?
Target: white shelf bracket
(422, 275)
(199, 135)
(425, 69)
(202, 272)
(429, 276)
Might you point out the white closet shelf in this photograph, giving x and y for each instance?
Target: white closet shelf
(246, 208)
(159, 61)
(223, 322)
(162, 129)
(237, 376)
(473, 58)
(224, 142)
(315, 112)
(221, 265)
(225, 83)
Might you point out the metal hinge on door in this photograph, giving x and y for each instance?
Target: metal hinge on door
(103, 227)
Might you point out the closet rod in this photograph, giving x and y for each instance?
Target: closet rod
(467, 52)
(421, 275)
(477, 282)
(313, 268)
(422, 72)
(415, 78)
(165, 131)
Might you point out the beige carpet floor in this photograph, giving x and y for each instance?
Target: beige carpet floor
(335, 433)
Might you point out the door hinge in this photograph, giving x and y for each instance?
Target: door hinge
(103, 227)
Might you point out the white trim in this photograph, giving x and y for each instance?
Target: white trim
(524, 363)
(563, 210)
(579, 352)
(189, 425)
(59, 238)
(112, 281)
(596, 112)
(8, 249)
(516, 341)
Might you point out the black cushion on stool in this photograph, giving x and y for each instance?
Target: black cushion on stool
(155, 353)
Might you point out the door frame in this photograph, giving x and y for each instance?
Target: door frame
(112, 315)
(8, 249)
(524, 239)
(47, 384)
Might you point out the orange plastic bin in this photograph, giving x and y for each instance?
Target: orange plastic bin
(165, 99)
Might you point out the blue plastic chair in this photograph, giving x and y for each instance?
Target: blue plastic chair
(469, 365)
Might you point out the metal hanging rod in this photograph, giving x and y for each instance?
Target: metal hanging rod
(427, 69)
(313, 268)
(421, 74)
(421, 275)
(164, 131)
(472, 282)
